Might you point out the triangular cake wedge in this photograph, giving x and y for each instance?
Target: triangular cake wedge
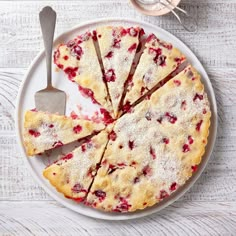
(73, 174)
(78, 59)
(159, 59)
(117, 47)
(44, 131)
(155, 148)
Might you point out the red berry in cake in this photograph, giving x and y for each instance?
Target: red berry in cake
(159, 120)
(197, 96)
(132, 47)
(161, 60)
(123, 206)
(107, 119)
(147, 170)
(178, 60)
(116, 43)
(94, 35)
(131, 145)
(121, 164)
(71, 43)
(194, 168)
(73, 115)
(77, 188)
(173, 186)
(171, 118)
(85, 37)
(57, 144)
(110, 76)
(141, 32)
(186, 148)
(150, 38)
(100, 194)
(190, 139)
(71, 72)
(152, 152)
(111, 169)
(67, 157)
(198, 126)
(183, 105)
(165, 140)
(112, 135)
(136, 180)
(77, 51)
(83, 147)
(34, 133)
(77, 129)
(132, 32)
(56, 55)
(177, 82)
(109, 54)
(127, 107)
(88, 93)
(123, 32)
(163, 194)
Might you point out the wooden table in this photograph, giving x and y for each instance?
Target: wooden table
(209, 208)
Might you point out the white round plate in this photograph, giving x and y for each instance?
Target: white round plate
(35, 80)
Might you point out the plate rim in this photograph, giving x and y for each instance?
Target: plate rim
(157, 207)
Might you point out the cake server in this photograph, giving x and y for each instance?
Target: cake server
(49, 99)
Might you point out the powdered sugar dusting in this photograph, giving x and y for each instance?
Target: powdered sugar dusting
(117, 47)
(158, 60)
(54, 131)
(165, 145)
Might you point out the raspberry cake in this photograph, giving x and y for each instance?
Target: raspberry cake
(117, 47)
(158, 60)
(43, 131)
(73, 173)
(154, 149)
(147, 153)
(78, 59)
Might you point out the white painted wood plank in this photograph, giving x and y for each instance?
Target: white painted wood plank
(21, 38)
(48, 218)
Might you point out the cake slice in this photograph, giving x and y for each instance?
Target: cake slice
(154, 149)
(72, 174)
(117, 47)
(158, 60)
(78, 59)
(43, 131)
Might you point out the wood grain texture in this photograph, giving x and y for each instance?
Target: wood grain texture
(49, 218)
(209, 208)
